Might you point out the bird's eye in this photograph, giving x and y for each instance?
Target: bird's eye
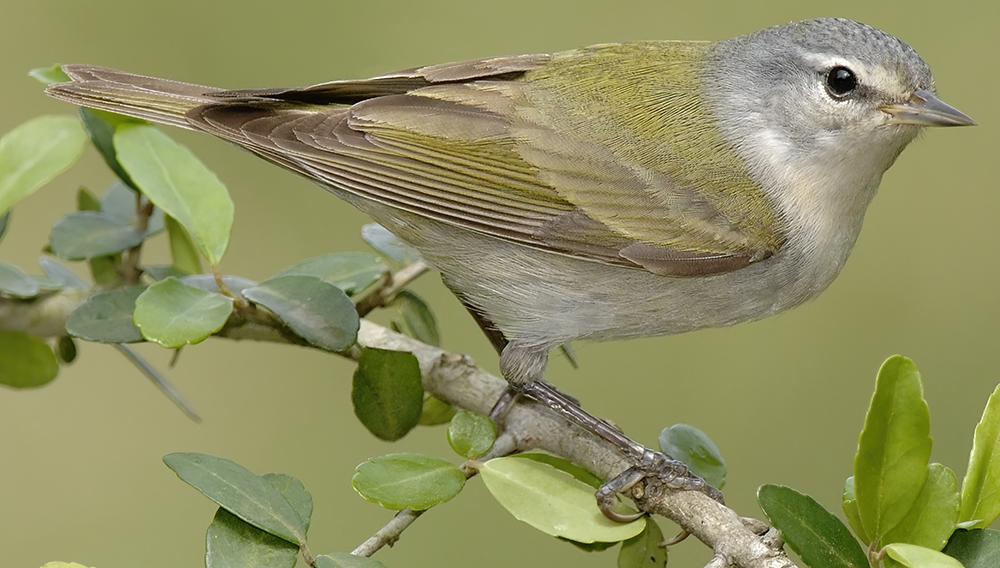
(840, 82)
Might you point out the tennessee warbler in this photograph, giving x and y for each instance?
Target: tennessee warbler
(614, 191)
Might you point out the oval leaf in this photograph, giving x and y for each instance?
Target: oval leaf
(850, 504)
(934, 514)
(471, 435)
(317, 311)
(122, 203)
(100, 126)
(975, 548)
(107, 317)
(34, 153)
(352, 272)
(47, 76)
(418, 317)
(552, 501)
(387, 393)
(388, 244)
(981, 486)
(26, 361)
(177, 182)
(15, 283)
(913, 556)
(174, 314)
(813, 532)
(346, 560)
(236, 489)
(644, 550)
(183, 251)
(691, 446)
(233, 543)
(87, 234)
(407, 481)
(61, 274)
(435, 411)
(891, 467)
(296, 494)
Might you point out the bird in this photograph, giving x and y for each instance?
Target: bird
(609, 192)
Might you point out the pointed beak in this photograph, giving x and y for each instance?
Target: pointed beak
(925, 109)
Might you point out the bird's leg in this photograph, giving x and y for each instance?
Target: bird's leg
(518, 362)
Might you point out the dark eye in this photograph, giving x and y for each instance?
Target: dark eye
(840, 82)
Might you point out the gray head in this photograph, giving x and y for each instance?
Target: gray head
(818, 94)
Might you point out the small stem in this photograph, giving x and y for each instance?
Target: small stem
(381, 296)
(389, 534)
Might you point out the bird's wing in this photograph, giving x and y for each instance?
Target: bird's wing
(482, 145)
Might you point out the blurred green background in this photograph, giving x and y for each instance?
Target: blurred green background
(80, 471)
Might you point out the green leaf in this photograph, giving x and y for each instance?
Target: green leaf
(563, 464)
(891, 464)
(407, 481)
(107, 317)
(177, 182)
(296, 494)
(233, 543)
(104, 270)
(471, 435)
(388, 244)
(34, 153)
(981, 486)
(352, 272)
(236, 489)
(164, 271)
(552, 501)
(26, 361)
(932, 519)
(4, 223)
(66, 349)
(644, 550)
(58, 272)
(100, 127)
(49, 75)
(86, 200)
(387, 393)
(346, 560)
(88, 234)
(975, 548)
(435, 411)
(183, 251)
(818, 536)
(206, 282)
(418, 317)
(122, 203)
(850, 504)
(317, 311)
(913, 556)
(691, 446)
(174, 314)
(16, 284)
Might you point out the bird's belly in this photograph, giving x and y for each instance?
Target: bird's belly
(545, 299)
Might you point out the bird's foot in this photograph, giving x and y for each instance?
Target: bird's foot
(647, 463)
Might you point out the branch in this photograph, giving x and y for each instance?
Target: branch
(456, 379)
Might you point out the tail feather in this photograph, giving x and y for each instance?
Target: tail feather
(139, 96)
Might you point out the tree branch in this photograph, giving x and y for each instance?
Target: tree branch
(456, 379)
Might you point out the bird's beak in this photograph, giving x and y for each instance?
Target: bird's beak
(925, 109)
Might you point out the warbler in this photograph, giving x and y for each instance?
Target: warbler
(614, 191)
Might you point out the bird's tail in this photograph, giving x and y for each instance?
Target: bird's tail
(148, 98)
